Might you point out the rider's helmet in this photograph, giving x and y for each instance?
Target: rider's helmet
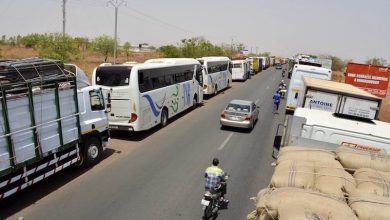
(215, 161)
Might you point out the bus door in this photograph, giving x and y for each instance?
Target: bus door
(199, 79)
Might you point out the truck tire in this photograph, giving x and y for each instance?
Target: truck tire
(92, 152)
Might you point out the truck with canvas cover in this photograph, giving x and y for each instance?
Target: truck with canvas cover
(339, 98)
(330, 167)
(47, 123)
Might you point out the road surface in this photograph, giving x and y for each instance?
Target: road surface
(159, 174)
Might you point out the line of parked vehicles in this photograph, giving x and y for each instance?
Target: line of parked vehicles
(52, 117)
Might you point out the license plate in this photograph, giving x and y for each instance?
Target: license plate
(205, 202)
(234, 118)
(113, 127)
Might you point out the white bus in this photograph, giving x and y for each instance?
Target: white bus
(217, 74)
(240, 70)
(149, 94)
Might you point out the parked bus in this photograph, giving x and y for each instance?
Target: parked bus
(149, 94)
(240, 70)
(217, 74)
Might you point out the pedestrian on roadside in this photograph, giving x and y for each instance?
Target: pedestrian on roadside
(276, 99)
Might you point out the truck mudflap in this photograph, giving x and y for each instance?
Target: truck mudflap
(29, 175)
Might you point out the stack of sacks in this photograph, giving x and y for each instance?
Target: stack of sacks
(355, 157)
(310, 168)
(371, 198)
(293, 204)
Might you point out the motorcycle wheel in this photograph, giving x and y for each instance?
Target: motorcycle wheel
(208, 212)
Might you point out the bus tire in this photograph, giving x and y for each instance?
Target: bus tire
(194, 102)
(164, 118)
(92, 152)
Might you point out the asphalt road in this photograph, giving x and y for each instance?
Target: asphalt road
(159, 174)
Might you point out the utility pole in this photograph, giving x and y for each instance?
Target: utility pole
(116, 4)
(63, 16)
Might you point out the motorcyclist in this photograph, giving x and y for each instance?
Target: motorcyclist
(215, 180)
(282, 84)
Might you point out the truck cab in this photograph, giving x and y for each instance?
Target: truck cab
(296, 86)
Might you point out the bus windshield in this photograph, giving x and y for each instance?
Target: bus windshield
(113, 76)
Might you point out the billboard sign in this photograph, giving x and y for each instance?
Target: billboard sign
(371, 78)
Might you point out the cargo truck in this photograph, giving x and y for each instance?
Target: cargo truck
(295, 89)
(255, 64)
(48, 123)
(328, 130)
(339, 98)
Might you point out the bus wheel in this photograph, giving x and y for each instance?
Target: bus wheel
(92, 152)
(194, 103)
(164, 118)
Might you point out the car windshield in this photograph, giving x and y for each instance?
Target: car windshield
(238, 108)
(113, 76)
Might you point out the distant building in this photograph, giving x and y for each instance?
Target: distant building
(143, 47)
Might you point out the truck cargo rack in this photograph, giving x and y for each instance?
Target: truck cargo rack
(30, 80)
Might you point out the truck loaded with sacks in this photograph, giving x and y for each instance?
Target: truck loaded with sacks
(328, 172)
(48, 122)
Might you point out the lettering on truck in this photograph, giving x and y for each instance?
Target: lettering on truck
(321, 104)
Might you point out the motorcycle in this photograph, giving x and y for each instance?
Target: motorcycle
(212, 201)
(283, 73)
(282, 90)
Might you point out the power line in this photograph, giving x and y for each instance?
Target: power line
(160, 21)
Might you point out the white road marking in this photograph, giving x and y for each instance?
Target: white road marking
(225, 142)
(257, 101)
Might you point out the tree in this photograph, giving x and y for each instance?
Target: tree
(104, 45)
(337, 63)
(170, 51)
(32, 40)
(126, 48)
(58, 46)
(377, 61)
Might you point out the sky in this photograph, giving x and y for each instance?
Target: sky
(350, 29)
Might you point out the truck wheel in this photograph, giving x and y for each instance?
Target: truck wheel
(164, 118)
(92, 152)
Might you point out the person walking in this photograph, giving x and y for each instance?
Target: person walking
(276, 99)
